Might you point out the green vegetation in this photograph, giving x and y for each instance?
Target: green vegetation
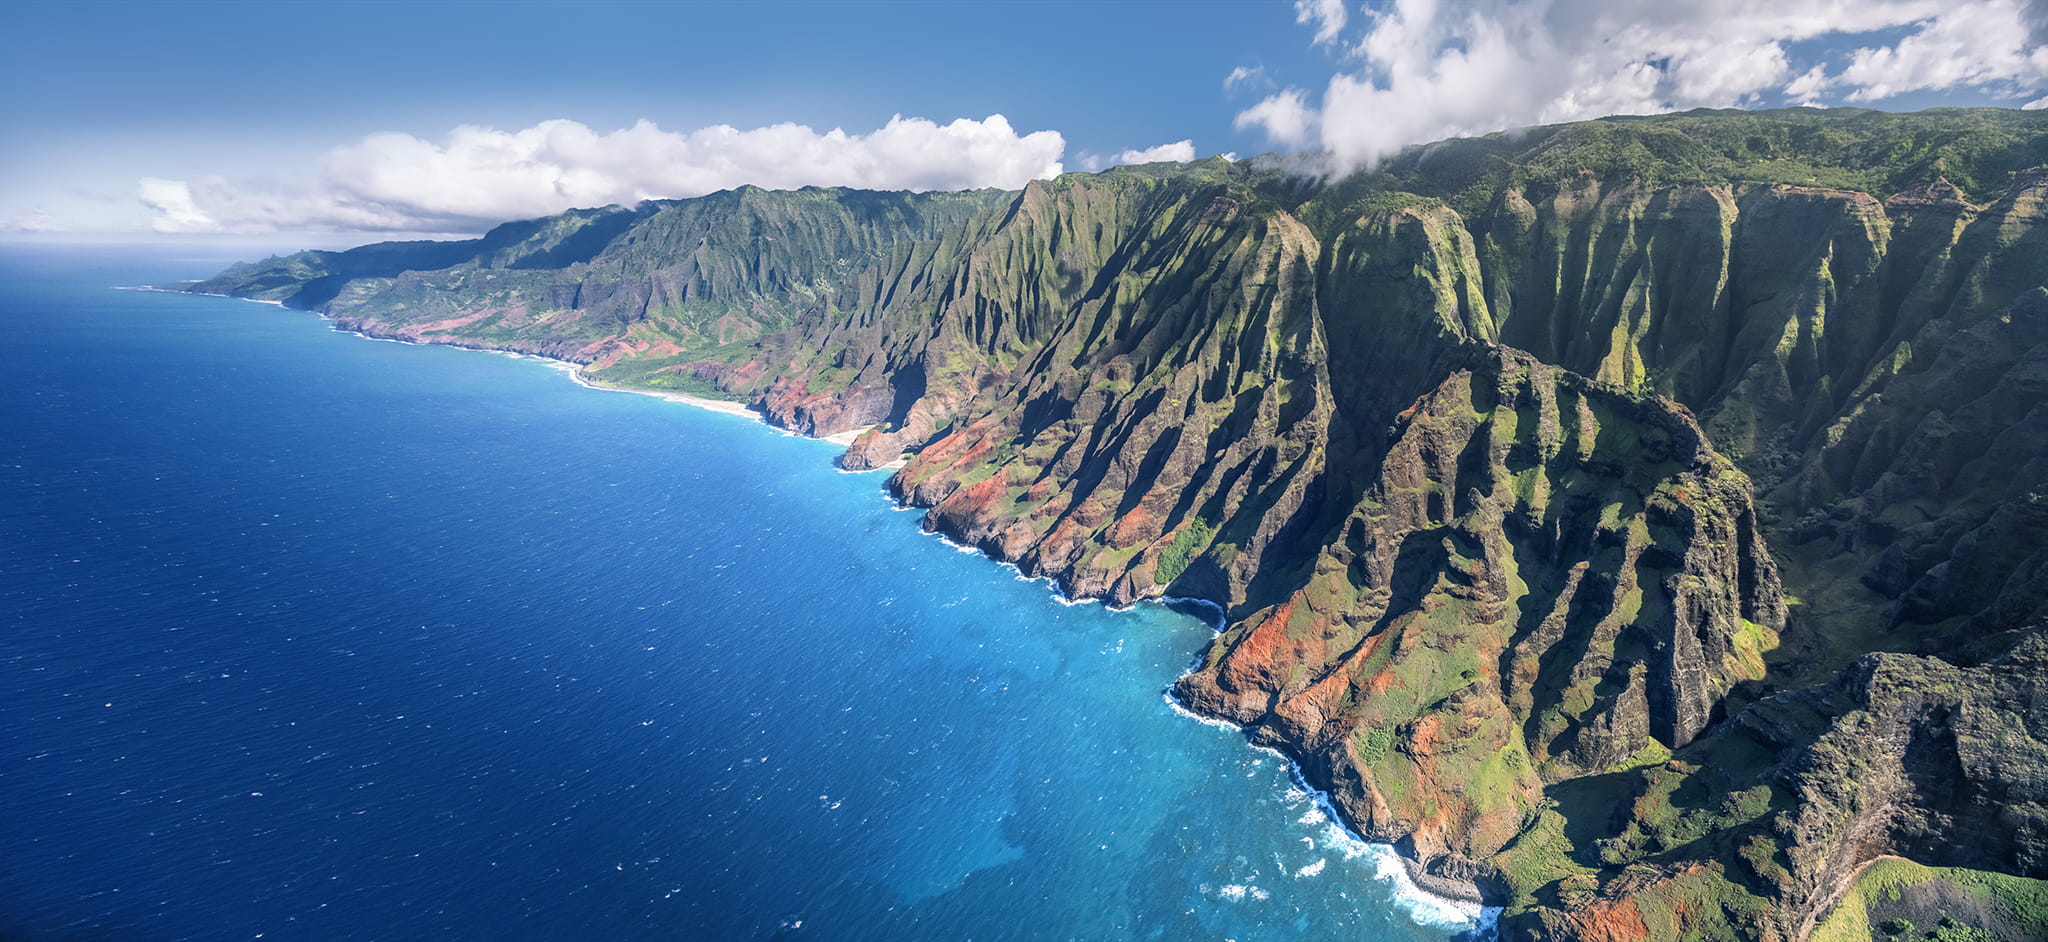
(1878, 153)
(1174, 559)
(1524, 445)
(1895, 898)
(1373, 743)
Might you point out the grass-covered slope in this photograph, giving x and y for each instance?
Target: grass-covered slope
(1552, 578)
(1638, 521)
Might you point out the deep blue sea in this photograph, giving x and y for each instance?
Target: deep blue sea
(305, 636)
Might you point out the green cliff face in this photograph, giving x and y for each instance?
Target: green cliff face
(1639, 522)
(1551, 578)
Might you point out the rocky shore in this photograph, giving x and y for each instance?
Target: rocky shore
(1635, 522)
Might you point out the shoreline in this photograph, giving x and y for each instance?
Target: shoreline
(723, 406)
(203, 294)
(569, 368)
(1424, 899)
(726, 406)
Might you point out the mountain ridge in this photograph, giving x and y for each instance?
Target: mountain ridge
(1518, 442)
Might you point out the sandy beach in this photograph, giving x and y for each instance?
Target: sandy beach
(715, 405)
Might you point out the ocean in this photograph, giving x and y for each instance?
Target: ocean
(305, 636)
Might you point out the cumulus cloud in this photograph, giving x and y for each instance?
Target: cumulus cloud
(1985, 45)
(1329, 17)
(476, 177)
(1286, 117)
(1423, 70)
(1807, 88)
(1178, 152)
(175, 209)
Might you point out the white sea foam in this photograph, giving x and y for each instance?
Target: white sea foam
(1197, 717)
(1339, 837)
(572, 370)
(1425, 907)
(409, 343)
(203, 294)
(1238, 892)
(575, 372)
(1018, 573)
(958, 547)
(1418, 904)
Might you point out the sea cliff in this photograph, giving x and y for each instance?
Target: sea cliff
(1636, 522)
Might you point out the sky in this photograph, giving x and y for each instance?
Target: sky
(342, 123)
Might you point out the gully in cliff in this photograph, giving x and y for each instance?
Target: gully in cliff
(1571, 497)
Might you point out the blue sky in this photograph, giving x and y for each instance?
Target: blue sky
(294, 118)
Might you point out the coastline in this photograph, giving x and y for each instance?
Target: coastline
(569, 368)
(576, 374)
(726, 406)
(203, 294)
(1423, 898)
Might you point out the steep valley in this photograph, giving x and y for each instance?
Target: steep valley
(1641, 523)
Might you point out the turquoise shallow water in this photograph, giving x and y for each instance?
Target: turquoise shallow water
(307, 636)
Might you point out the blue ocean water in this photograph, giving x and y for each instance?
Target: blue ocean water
(304, 636)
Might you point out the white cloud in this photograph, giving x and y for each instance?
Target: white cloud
(175, 210)
(1806, 89)
(1286, 117)
(1243, 76)
(476, 177)
(1425, 70)
(35, 220)
(1329, 16)
(1178, 152)
(1975, 44)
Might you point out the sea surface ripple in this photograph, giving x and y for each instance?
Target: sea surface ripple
(312, 638)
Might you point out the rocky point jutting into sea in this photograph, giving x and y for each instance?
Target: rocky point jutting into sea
(1637, 522)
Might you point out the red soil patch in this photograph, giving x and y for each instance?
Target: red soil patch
(1063, 536)
(452, 323)
(1382, 681)
(974, 453)
(1424, 737)
(1091, 514)
(1132, 527)
(1261, 651)
(747, 373)
(1610, 921)
(976, 500)
(959, 448)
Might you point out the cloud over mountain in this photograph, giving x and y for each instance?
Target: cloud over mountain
(1178, 151)
(1423, 70)
(476, 177)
